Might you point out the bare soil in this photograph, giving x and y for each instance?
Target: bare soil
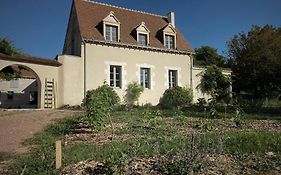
(19, 125)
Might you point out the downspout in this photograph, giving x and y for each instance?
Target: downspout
(85, 74)
(191, 67)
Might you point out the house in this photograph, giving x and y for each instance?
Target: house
(116, 45)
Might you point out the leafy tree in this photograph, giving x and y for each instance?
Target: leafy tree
(176, 97)
(255, 58)
(207, 56)
(7, 47)
(216, 84)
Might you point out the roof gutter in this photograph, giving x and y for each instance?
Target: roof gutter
(132, 46)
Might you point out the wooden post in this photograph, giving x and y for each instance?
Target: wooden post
(58, 154)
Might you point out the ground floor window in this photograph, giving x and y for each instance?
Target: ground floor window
(115, 76)
(173, 78)
(145, 77)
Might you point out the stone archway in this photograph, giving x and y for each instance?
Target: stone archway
(22, 89)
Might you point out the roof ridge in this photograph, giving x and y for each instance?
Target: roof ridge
(123, 8)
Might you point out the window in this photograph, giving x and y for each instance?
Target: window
(173, 78)
(111, 33)
(115, 76)
(143, 39)
(145, 77)
(170, 41)
(10, 95)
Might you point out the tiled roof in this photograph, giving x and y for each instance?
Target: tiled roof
(90, 15)
(30, 59)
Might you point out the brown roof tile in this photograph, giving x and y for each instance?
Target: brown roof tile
(91, 14)
(30, 59)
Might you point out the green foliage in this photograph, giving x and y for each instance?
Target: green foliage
(252, 142)
(133, 93)
(255, 59)
(216, 84)
(7, 47)
(176, 97)
(207, 56)
(99, 103)
(8, 73)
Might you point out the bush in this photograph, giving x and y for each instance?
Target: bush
(176, 97)
(133, 93)
(99, 103)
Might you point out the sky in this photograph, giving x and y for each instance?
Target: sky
(38, 27)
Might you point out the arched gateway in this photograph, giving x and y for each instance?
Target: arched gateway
(28, 82)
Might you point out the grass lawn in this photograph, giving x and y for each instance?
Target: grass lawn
(153, 141)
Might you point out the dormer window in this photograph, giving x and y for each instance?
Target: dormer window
(111, 33)
(170, 41)
(142, 34)
(111, 28)
(143, 39)
(169, 37)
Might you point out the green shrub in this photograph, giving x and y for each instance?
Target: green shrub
(176, 97)
(99, 103)
(133, 93)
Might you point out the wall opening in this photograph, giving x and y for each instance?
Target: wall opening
(20, 88)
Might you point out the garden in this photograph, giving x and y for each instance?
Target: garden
(176, 137)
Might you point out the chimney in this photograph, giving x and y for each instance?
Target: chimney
(171, 18)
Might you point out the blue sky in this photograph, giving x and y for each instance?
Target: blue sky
(38, 27)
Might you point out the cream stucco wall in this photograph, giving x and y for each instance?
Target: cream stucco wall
(70, 80)
(100, 57)
(42, 72)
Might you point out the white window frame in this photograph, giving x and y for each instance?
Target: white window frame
(123, 72)
(140, 41)
(173, 75)
(168, 42)
(114, 79)
(171, 31)
(143, 77)
(111, 33)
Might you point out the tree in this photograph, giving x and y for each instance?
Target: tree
(214, 83)
(7, 47)
(255, 58)
(207, 56)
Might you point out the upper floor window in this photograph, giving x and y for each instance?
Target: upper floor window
(173, 78)
(115, 76)
(169, 37)
(145, 77)
(143, 39)
(170, 41)
(142, 34)
(111, 28)
(111, 33)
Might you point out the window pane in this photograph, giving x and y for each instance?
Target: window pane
(115, 76)
(111, 33)
(143, 39)
(145, 77)
(173, 78)
(169, 41)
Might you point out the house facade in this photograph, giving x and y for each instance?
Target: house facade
(118, 46)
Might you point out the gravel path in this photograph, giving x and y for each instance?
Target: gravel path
(16, 126)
